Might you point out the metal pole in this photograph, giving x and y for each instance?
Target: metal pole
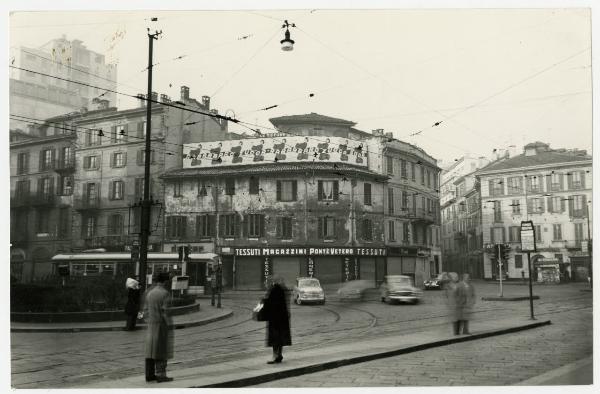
(530, 284)
(146, 203)
(500, 268)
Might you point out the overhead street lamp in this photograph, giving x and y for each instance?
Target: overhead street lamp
(287, 44)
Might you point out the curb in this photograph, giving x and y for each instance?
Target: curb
(523, 298)
(140, 326)
(251, 381)
(545, 378)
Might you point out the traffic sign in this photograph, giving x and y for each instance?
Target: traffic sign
(527, 236)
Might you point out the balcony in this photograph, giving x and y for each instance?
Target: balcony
(65, 165)
(574, 244)
(33, 199)
(109, 242)
(86, 203)
(421, 215)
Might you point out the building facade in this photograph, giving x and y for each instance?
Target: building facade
(36, 94)
(552, 188)
(41, 188)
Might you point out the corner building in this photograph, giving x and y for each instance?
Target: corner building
(303, 202)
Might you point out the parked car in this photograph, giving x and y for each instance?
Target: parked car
(399, 288)
(436, 282)
(353, 290)
(308, 290)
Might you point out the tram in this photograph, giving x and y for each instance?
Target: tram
(98, 263)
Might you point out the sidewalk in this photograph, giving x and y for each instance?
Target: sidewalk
(206, 314)
(580, 372)
(254, 370)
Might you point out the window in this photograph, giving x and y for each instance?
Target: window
(46, 159)
(177, 188)
(176, 226)
(516, 207)
(139, 188)
(284, 227)
(65, 185)
(514, 234)
(518, 261)
(555, 182)
(497, 211)
(327, 228)
(538, 233)
(141, 157)
(205, 226)
(556, 232)
(287, 190)
(391, 200)
(533, 182)
(64, 218)
(89, 227)
(515, 185)
(556, 204)
(255, 225)
(95, 137)
(367, 229)
(115, 224)
(253, 185)
(45, 187)
(202, 192)
(22, 163)
(575, 180)
(141, 129)
(328, 190)
(496, 187)
(535, 206)
(422, 175)
(403, 169)
(428, 178)
(413, 172)
(22, 189)
(391, 230)
(404, 198)
(118, 134)
(390, 165)
(119, 159)
(66, 157)
(230, 186)
(228, 225)
(577, 206)
(90, 162)
(367, 194)
(42, 221)
(406, 232)
(578, 231)
(91, 192)
(497, 235)
(116, 190)
(435, 181)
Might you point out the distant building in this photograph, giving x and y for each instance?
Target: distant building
(552, 188)
(36, 94)
(461, 217)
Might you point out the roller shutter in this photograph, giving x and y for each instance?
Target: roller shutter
(288, 268)
(394, 266)
(328, 269)
(248, 273)
(367, 268)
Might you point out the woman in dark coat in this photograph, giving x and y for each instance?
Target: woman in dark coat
(132, 306)
(278, 319)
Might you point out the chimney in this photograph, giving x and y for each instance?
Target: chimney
(206, 102)
(214, 111)
(378, 132)
(185, 93)
(142, 98)
(389, 134)
(164, 98)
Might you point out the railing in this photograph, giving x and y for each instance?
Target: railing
(65, 164)
(89, 202)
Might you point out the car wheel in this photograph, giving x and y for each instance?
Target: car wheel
(298, 301)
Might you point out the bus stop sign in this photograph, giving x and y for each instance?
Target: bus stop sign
(527, 236)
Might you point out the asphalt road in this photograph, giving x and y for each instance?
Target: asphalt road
(56, 360)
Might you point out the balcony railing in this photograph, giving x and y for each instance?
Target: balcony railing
(422, 215)
(33, 199)
(89, 202)
(65, 164)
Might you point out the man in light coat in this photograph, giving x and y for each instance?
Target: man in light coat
(159, 336)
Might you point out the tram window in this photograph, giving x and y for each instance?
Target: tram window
(77, 269)
(92, 269)
(108, 269)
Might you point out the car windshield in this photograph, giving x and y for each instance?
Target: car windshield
(399, 281)
(308, 283)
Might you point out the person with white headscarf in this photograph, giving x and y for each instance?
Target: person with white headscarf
(132, 306)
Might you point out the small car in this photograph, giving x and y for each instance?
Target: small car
(436, 282)
(399, 288)
(307, 290)
(353, 290)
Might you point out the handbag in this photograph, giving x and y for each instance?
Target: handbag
(259, 312)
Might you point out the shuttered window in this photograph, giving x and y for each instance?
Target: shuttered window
(229, 225)
(253, 185)
(205, 225)
(230, 186)
(176, 226)
(287, 191)
(255, 225)
(284, 227)
(367, 194)
(392, 230)
(115, 224)
(391, 200)
(327, 227)
(367, 229)
(328, 190)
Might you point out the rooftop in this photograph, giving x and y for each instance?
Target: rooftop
(539, 159)
(313, 117)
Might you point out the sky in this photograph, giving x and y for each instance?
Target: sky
(492, 77)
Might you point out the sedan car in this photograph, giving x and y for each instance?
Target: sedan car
(399, 288)
(436, 282)
(308, 290)
(353, 290)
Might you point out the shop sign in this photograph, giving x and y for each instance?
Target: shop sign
(311, 267)
(409, 252)
(347, 268)
(356, 269)
(329, 251)
(267, 271)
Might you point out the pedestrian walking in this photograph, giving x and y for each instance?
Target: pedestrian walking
(278, 318)
(132, 307)
(451, 300)
(465, 299)
(159, 336)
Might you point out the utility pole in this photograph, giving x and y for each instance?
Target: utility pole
(589, 245)
(146, 202)
(501, 271)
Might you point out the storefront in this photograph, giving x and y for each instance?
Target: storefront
(328, 264)
(411, 261)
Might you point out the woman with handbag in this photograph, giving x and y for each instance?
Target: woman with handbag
(278, 318)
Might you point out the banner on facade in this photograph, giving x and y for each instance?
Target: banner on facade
(310, 251)
(274, 149)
